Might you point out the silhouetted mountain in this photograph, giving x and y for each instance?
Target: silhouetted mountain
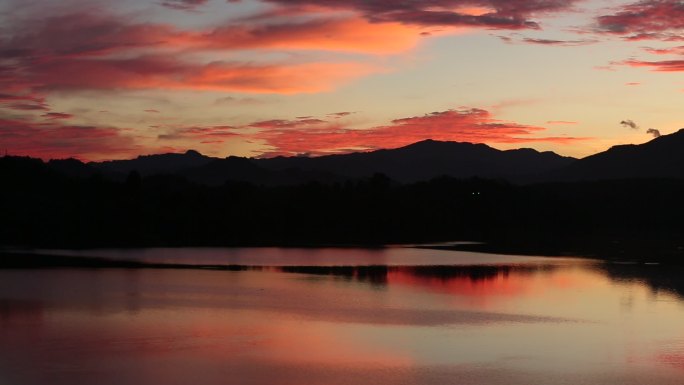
(156, 164)
(73, 167)
(417, 162)
(662, 157)
(428, 159)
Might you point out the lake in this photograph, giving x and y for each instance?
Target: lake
(342, 316)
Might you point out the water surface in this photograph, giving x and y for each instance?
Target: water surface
(482, 319)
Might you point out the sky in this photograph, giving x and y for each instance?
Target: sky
(100, 79)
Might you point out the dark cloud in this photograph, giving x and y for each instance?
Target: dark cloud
(23, 102)
(520, 39)
(630, 124)
(211, 134)
(340, 114)
(646, 20)
(28, 107)
(494, 14)
(183, 5)
(57, 115)
(654, 132)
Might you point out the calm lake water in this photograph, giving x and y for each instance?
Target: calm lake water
(478, 319)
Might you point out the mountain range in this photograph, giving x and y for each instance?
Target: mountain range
(662, 157)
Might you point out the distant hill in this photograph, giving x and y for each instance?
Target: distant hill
(662, 157)
(416, 162)
(428, 159)
(155, 164)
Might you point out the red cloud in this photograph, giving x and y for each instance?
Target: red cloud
(468, 125)
(52, 140)
(658, 66)
(647, 19)
(23, 102)
(28, 107)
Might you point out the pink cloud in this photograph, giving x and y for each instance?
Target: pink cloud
(466, 125)
(666, 51)
(657, 66)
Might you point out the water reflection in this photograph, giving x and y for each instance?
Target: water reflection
(507, 323)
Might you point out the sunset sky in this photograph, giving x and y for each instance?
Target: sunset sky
(102, 79)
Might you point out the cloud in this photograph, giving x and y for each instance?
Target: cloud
(211, 134)
(150, 72)
(84, 51)
(351, 34)
(519, 39)
(565, 122)
(630, 124)
(151, 111)
(23, 102)
(646, 20)
(28, 107)
(654, 132)
(291, 137)
(666, 51)
(57, 115)
(183, 5)
(491, 14)
(342, 114)
(657, 66)
(51, 140)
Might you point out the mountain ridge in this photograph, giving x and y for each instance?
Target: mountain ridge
(662, 157)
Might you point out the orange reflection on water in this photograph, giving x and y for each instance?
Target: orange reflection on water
(485, 285)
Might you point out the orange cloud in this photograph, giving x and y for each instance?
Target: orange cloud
(167, 73)
(329, 34)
